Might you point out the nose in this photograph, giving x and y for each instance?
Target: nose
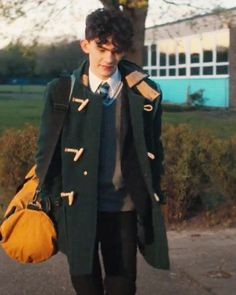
(109, 57)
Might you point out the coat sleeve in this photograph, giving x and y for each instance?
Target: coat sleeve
(51, 184)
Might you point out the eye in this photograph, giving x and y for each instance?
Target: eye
(118, 53)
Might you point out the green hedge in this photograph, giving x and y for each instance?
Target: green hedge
(16, 157)
(199, 167)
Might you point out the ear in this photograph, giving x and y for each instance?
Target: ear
(84, 44)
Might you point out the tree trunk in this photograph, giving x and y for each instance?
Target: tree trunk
(138, 17)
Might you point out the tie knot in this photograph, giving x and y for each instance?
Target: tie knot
(104, 88)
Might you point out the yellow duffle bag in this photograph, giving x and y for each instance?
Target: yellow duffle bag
(27, 234)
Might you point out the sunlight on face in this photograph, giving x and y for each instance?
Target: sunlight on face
(103, 59)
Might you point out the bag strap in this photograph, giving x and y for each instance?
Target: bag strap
(60, 107)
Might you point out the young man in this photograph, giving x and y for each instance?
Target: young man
(104, 179)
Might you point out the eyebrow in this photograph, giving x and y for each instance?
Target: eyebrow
(114, 50)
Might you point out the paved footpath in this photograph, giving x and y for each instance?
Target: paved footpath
(202, 263)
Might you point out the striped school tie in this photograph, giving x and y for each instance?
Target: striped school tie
(103, 89)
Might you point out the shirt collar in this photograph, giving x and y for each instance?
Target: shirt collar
(113, 81)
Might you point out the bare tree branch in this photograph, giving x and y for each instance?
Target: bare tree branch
(43, 13)
(187, 4)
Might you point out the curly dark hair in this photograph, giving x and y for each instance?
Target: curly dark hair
(103, 23)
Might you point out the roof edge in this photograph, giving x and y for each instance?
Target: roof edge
(191, 18)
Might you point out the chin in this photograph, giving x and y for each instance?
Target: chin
(106, 74)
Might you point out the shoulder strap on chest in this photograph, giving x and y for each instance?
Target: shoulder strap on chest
(63, 91)
(61, 102)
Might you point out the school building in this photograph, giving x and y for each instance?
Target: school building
(195, 55)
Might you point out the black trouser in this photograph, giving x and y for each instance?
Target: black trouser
(117, 235)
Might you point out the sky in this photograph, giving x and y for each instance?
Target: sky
(68, 22)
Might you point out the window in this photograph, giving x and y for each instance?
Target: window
(222, 46)
(172, 72)
(221, 54)
(181, 50)
(207, 46)
(182, 58)
(207, 55)
(162, 59)
(171, 49)
(172, 60)
(195, 58)
(167, 58)
(162, 54)
(145, 55)
(162, 72)
(195, 49)
(153, 72)
(153, 55)
(203, 55)
(207, 70)
(182, 72)
(221, 70)
(195, 71)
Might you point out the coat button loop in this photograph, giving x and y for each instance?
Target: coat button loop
(148, 107)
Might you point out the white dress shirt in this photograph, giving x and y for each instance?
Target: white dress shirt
(114, 82)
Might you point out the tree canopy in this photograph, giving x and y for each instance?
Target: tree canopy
(136, 10)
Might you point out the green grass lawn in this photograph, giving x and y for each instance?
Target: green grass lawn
(22, 88)
(221, 122)
(15, 112)
(18, 109)
(20, 104)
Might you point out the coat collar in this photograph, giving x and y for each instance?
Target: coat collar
(130, 72)
(82, 73)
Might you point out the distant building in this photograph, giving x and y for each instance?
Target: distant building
(193, 56)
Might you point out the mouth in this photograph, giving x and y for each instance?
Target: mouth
(107, 68)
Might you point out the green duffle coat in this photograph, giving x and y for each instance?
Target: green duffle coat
(141, 163)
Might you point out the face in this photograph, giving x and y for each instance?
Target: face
(103, 59)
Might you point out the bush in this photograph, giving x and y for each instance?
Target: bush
(183, 177)
(199, 167)
(222, 168)
(16, 157)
